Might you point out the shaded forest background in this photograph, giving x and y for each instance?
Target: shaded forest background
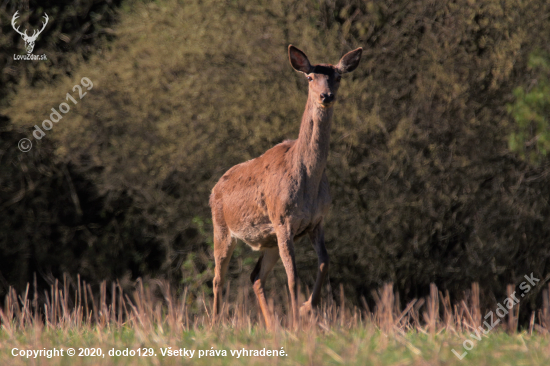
(438, 164)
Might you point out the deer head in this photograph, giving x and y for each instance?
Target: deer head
(324, 79)
(29, 41)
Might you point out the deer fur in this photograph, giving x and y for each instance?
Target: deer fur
(272, 200)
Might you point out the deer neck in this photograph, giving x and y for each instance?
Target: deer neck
(312, 145)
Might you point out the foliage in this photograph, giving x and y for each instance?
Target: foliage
(531, 111)
(424, 186)
(69, 38)
(55, 221)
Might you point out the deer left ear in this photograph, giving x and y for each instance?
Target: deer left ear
(349, 61)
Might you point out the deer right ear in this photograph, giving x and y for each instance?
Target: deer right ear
(298, 60)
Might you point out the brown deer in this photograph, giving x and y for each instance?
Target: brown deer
(272, 200)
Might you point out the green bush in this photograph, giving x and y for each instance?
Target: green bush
(531, 111)
(424, 187)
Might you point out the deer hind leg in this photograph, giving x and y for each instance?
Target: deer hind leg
(286, 251)
(224, 245)
(317, 237)
(265, 264)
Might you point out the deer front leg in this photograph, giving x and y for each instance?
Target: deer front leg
(223, 249)
(286, 251)
(317, 237)
(263, 267)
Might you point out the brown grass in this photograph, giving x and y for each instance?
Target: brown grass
(154, 315)
(73, 304)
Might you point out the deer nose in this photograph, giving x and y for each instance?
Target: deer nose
(327, 97)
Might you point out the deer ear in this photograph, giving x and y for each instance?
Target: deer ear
(299, 60)
(349, 61)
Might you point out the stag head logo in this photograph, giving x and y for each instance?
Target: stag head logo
(29, 41)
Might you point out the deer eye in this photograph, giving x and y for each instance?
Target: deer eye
(338, 78)
(309, 78)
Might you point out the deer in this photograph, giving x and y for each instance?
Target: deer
(271, 201)
(29, 41)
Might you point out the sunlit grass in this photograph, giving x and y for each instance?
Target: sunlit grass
(365, 345)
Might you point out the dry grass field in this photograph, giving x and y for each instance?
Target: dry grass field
(154, 326)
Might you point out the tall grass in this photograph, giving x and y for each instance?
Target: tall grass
(155, 315)
(71, 304)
